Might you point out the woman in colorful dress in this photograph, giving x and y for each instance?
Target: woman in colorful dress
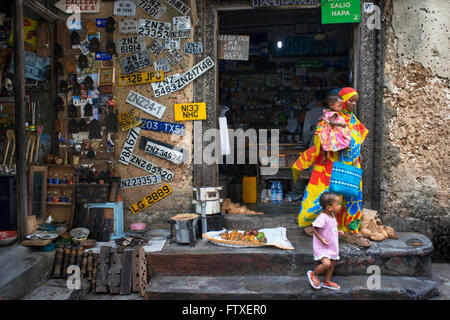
(349, 216)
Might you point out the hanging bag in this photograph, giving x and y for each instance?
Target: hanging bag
(345, 179)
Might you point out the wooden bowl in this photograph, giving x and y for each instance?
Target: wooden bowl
(87, 244)
(48, 159)
(58, 160)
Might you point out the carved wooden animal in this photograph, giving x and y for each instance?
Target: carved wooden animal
(372, 227)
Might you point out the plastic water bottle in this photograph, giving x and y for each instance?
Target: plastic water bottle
(276, 192)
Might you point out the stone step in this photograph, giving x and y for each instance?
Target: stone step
(285, 288)
(402, 257)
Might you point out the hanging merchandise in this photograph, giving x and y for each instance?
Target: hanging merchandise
(95, 130)
(111, 122)
(59, 104)
(82, 62)
(43, 40)
(82, 125)
(73, 126)
(111, 48)
(75, 38)
(88, 83)
(72, 111)
(110, 25)
(91, 27)
(88, 110)
(94, 44)
(71, 66)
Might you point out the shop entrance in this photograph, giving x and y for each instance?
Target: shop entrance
(294, 61)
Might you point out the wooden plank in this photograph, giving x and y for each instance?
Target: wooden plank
(19, 114)
(126, 272)
(101, 284)
(135, 271)
(114, 273)
(106, 235)
(82, 215)
(109, 214)
(99, 221)
(91, 222)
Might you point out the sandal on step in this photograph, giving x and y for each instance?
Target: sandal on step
(330, 285)
(315, 283)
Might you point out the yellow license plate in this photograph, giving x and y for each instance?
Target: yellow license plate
(140, 77)
(190, 111)
(153, 197)
(129, 120)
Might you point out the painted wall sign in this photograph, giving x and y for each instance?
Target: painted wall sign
(179, 6)
(130, 44)
(156, 47)
(282, 3)
(161, 126)
(128, 26)
(102, 56)
(341, 11)
(152, 168)
(181, 34)
(145, 104)
(162, 64)
(154, 29)
(177, 83)
(139, 181)
(152, 7)
(100, 23)
(85, 6)
(233, 47)
(174, 56)
(163, 150)
(166, 86)
(129, 145)
(153, 197)
(181, 23)
(124, 8)
(129, 119)
(193, 47)
(140, 78)
(137, 61)
(190, 111)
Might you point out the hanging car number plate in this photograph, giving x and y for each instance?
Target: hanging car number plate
(128, 26)
(166, 86)
(154, 29)
(140, 78)
(190, 111)
(155, 148)
(130, 44)
(135, 62)
(129, 120)
(156, 47)
(152, 168)
(145, 104)
(139, 181)
(152, 7)
(161, 126)
(153, 197)
(130, 144)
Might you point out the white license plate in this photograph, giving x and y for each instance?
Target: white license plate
(179, 6)
(130, 44)
(136, 61)
(181, 34)
(128, 26)
(166, 86)
(162, 64)
(152, 7)
(152, 168)
(154, 29)
(174, 56)
(181, 23)
(172, 43)
(145, 104)
(156, 47)
(124, 8)
(130, 144)
(193, 47)
(140, 181)
(163, 152)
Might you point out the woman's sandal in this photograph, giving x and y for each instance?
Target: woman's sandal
(357, 239)
(330, 285)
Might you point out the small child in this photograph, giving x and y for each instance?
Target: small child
(326, 241)
(335, 134)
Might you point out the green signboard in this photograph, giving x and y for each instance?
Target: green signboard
(341, 11)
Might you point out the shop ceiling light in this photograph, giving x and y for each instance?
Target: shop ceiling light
(280, 44)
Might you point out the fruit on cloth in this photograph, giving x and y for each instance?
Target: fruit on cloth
(254, 232)
(263, 239)
(260, 235)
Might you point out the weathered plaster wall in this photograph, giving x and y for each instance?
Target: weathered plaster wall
(415, 181)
